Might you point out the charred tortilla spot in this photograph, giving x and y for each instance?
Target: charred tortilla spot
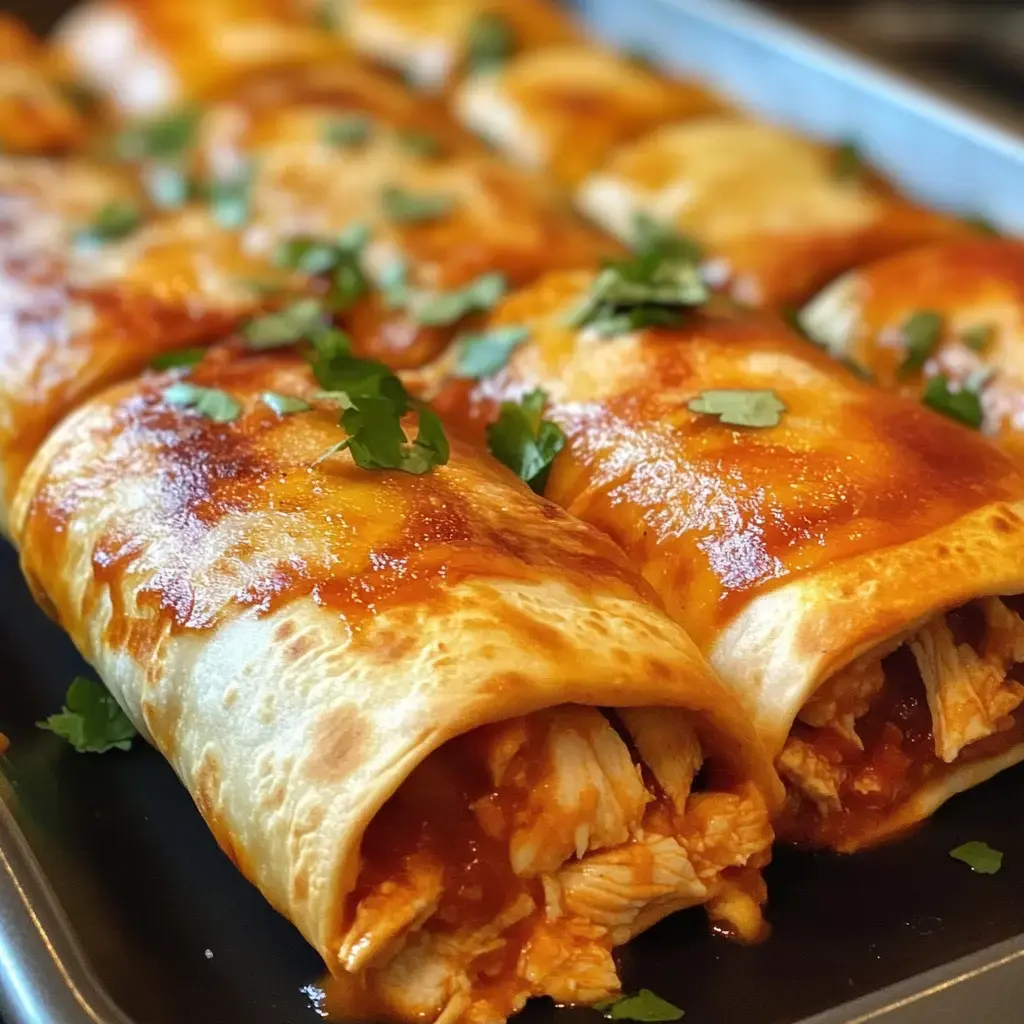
(285, 631)
(300, 647)
(337, 743)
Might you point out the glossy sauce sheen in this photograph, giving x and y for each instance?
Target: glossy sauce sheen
(500, 220)
(716, 515)
(34, 115)
(977, 283)
(776, 216)
(225, 517)
(78, 320)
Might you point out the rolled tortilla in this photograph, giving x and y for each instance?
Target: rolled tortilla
(972, 294)
(390, 695)
(148, 56)
(182, 278)
(778, 215)
(851, 572)
(81, 316)
(35, 115)
(564, 108)
(431, 42)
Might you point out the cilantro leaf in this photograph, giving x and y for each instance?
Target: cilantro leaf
(341, 259)
(91, 720)
(652, 289)
(650, 235)
(414, 207)
(479, 355)
(982, 225)
(490, 43)
(284, 405)
(167, 185)
(212, 403)
(921, 333)
(963, 404)
(180, 357)
(524, 441)
(393, 283)
(373, 402)
(114, 221)
(740, 408)
(447, 308)
(420, 143)
(979, 337)
(849, 164)
(229, 198)
(345, 132)
(160, 138)
(287, 326)
(980, 857)
(645, 1006)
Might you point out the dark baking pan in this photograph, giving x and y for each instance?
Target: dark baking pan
(116, 907)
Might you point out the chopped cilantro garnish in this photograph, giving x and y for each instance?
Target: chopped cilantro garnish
(412, 207)
(651, 289)
(651, 236)
(114, 221)
(982, 225)
(445, 308)
(393, 282)
(183, 357)
(229, 198)
(979, 337)
(921, 333)
(340, 259)
(373, 402)
(285, 405)
(964, 404)
(645, 1006)
(491, 42)
(484, 353)
(849, 164)
(91, 720)
(345, 132)
(980, 857)
(296, 322)
(419, 142)
(524, 441)
(162, 138)
(212, 403)
(740, 408)
(167, 185)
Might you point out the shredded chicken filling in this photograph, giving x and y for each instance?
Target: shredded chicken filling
(879, 729)
(515, 858)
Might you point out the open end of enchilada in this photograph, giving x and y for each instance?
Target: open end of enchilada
(516, 857)
(385, 690)
(836, 552)
(902, 719)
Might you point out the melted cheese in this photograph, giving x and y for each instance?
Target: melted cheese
(34, 116)
(148, 59)
(566, 107)
(426, 39)
(723, 180)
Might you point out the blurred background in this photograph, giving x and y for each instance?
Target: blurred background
(971, 50)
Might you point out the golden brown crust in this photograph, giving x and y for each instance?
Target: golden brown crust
(974, 285)
(253, 613)
(731, 514)
(35, 116)
(564, 108)
(776, 216)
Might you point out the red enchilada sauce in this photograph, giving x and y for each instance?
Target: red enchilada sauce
(898, 758)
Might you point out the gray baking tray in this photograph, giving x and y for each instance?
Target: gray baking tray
(116, 907)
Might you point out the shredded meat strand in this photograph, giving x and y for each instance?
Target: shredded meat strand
(594, 857)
